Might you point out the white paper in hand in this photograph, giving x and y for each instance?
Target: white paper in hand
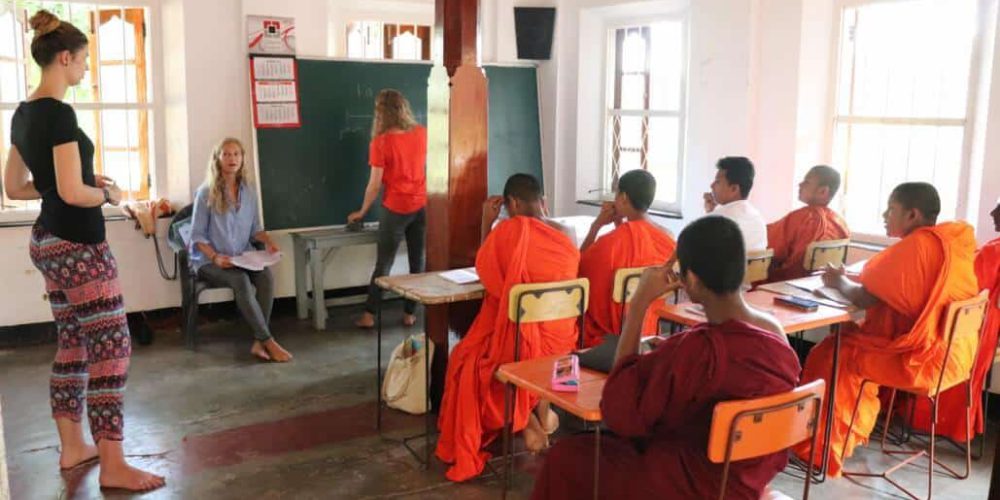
(256, 260)
(461, 276)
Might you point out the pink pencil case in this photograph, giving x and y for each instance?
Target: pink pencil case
(566, 374)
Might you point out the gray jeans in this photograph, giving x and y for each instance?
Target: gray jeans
(253, 291)
(392, 229)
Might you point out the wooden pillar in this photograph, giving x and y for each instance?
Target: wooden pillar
(456, 164)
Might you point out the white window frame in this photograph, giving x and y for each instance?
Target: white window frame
(607, 111)
(966, 177)
(154, 107)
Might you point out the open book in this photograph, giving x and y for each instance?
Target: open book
(256, 260)
(815, 286)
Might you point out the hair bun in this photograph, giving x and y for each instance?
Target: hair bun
(44, 22)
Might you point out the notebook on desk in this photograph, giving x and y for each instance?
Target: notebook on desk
(601, 358)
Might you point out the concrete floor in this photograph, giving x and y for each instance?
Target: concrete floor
(220, 425)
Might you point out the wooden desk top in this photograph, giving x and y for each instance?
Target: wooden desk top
(430, 288)
(535, 376)
(792, 320)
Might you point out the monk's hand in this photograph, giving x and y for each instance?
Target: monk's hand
(491, 209)
(607, 215)
(654, 283)
(833, 276)
(710, 203)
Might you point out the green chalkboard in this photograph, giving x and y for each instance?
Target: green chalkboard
(315, 175)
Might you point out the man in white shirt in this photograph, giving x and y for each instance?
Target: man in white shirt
(728, 198)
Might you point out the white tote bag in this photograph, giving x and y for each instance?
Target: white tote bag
(405, 384)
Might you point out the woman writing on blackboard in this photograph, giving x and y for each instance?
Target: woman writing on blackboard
(398, 157)
(224, 224)
(52, 159)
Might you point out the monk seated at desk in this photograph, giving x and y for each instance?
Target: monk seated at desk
(526, 248)
(636, 241)
(904, 290)
(792, 235)
(659, 405)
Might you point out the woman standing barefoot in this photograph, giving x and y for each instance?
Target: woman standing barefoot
(52, 159)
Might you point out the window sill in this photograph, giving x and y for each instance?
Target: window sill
(26, 218)
(871, 242)
(667, 214)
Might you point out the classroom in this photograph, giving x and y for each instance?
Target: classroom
(499, 249)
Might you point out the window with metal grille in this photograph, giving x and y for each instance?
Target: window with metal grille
(378, 40)
(113, 101)
(902, 103)
(646, 107)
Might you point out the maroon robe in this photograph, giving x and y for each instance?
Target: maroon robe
(659, 409)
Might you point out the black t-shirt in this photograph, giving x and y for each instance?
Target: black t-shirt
(37, 127)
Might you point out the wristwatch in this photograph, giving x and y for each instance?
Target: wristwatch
(107, 196)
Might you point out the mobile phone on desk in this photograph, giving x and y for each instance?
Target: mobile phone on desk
(797, 303)
(566, 374)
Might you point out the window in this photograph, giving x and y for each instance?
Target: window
(646, 107)
(112, 102)
(377, 40)
(902, 101)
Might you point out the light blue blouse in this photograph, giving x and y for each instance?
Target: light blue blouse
(230, 233)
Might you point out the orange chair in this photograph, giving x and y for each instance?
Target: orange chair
(963, 323)
(753, 428)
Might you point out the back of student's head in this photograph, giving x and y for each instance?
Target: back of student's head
(53, 36)
(827, 177)
(392, 111)
(712, 248)
(739, 170)
(919, 195)
(640, 187)
(523, 187)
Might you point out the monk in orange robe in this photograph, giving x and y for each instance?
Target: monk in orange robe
(951, 409)
(904, 290)
(790, 236)
(527, 248)
(659, 405)
(636, 241)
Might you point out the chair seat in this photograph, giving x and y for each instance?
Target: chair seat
(928, 392)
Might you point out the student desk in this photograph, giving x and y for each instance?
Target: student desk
(427, 289)
(535, 377)
(313, 250)
(792, 320)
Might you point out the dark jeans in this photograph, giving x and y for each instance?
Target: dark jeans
(253, 292)
(392, 228)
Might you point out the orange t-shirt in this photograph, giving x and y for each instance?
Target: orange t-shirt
(403, 158)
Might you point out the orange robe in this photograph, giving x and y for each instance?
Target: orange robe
(790, 236)
(632, 244)
(900, 342)
(518, 250)
(951, 410)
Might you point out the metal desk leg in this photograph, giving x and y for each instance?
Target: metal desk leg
(378, 364)
(318, 289)
(597, 459)
(834, 371)
(301, 277)
(427, 393)
(507, 431)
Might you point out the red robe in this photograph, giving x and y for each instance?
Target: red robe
(518, 250)
(659, 407)
(951, 410)
(790, 236)
(900, 341)
(632, 244)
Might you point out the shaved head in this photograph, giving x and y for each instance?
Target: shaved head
(920, 196)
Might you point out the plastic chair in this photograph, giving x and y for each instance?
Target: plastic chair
(964, 323)
(752, 428)
(821, 253)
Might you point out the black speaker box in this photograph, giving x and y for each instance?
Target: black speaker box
(534, 27)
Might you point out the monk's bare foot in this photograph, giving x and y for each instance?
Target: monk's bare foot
(126, 477)
(409, 319)
(550, 422)
(535, 438)
(72, 457)
(259, 351)
(366, 321)
(277, 352)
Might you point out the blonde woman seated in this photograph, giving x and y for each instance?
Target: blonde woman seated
(224, 225)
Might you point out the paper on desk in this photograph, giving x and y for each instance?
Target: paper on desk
(461, 276)
(815, 286)
(256, 260)
(785, 288)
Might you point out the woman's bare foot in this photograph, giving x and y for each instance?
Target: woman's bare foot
(366, 321)
(75, 456)
(535, 438)
(126, 477)
(259, 351)
(409, 319)
(277, 352)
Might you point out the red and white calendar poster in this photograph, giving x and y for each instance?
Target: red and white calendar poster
(274, 88)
